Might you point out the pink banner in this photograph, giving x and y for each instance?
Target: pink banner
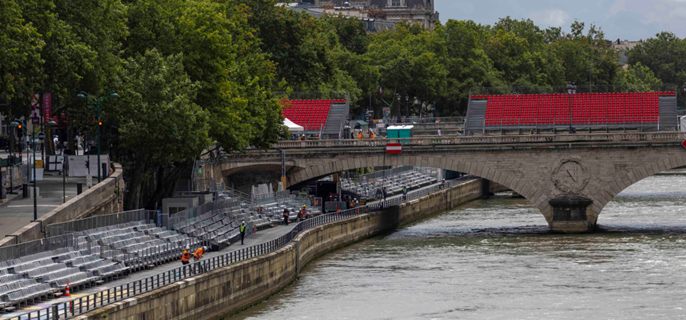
(47, 107)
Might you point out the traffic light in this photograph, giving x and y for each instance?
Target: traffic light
(19, 126)
(100, 123)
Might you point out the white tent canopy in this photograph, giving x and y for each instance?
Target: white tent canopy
(292, 127)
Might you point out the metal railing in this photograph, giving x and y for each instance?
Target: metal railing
(617, 88)
(384, 173)
(75, 307)
(496, 139)
(32, 247)
(313, 95)
(94, 222)
(190, 213)
(411, 120)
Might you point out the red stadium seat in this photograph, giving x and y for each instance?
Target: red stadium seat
(585, 108)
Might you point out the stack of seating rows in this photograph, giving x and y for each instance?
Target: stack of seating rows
(272, 212)
(136, 242)
(221, 226)
(217, 225)
(394, 184)
(310, 114)
(586, 108)
(38, 276)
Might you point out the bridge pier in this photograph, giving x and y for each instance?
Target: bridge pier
(569, 214)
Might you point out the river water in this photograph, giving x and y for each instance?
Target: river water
(494, 259)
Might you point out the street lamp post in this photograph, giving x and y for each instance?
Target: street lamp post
(96, 104)
(21, 125)
(571, 89)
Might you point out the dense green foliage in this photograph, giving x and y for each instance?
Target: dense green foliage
(196, 73)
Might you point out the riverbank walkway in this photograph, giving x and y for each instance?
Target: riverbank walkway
(260, 237)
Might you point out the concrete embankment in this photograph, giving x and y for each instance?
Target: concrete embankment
(231, 289)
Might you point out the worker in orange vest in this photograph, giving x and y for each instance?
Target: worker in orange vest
(359, 136)
(185, 256)
(198, 255)
(371, 135)
(185, 259)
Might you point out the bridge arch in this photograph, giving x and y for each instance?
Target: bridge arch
(508, 179)
(624, 180)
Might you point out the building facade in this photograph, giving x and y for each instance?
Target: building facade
(420, 11)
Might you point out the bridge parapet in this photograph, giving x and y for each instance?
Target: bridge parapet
(495, 139)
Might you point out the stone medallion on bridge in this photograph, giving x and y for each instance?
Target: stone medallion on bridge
(570, 176)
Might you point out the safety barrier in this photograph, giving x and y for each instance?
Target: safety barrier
(384, 173)
(37, 246)
(57, 229)
(190, 213)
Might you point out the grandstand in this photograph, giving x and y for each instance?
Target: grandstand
(38, 277)
(127, 242)
(644, 111)
(318, 116)
(220, 227)
(395, 180)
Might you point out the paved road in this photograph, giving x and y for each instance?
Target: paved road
(18, 212)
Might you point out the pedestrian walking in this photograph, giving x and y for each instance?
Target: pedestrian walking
(303, 213)
(439, 132)
(242, 230)
(443, 184)
(285, 216)
(404, 193)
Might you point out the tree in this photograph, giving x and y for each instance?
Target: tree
(467, 64)
(81, 53)
(664, 56)
(519, 51)
(221, 54)
(159, 130)
(352, 33)
(411, 66)
(587, 59)
(639, 78)
(20, 56)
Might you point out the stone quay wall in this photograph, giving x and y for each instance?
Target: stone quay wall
(103, 198)
(229, 290)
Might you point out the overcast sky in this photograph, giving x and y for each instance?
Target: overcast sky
(625, 19)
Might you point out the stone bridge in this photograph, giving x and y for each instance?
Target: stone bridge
(559, 174)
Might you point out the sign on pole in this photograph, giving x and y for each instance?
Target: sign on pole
(89, 180)
(47, 107)
(35, 99)
(394, 148)
(41, 136)
(684, 143)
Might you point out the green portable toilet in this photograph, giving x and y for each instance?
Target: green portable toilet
(400, 132)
